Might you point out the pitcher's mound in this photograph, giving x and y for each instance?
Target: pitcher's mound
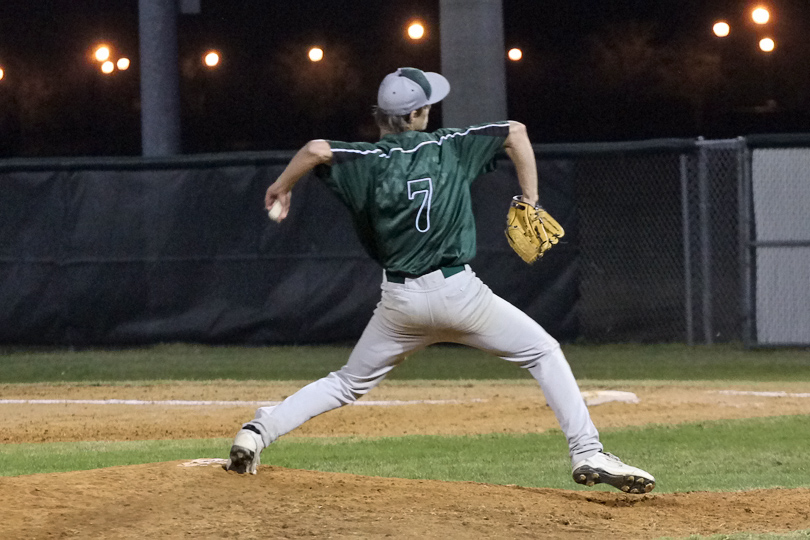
(198, 499)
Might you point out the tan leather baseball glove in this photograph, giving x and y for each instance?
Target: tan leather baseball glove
(531, 231)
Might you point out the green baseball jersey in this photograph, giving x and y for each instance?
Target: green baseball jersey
(409, 193)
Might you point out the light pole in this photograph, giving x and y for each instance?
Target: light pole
(472, 59)
(761, 17)
(160, 78)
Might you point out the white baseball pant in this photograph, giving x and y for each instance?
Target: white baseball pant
(434, 309)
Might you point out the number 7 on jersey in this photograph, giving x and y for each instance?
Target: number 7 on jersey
(424, 187)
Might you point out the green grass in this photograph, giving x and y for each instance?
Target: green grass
(201, 363)
(705, 456)
(35, 458)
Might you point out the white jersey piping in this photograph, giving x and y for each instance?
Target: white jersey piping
(418, 146)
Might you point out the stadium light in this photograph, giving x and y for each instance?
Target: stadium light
(315, 54)
(514, 54)
(2, 74)
(122, 64)
(767, 44)
(107, 67)
(102, 53)
(416, 30)
(760, 15)
(211, 59)
(721, 29)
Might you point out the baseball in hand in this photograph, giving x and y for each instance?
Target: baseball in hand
(275, 211)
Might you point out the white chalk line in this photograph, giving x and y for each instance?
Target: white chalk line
(598, 397)
(761, 394)
(198, 403)
(203, 462)
(592, 398)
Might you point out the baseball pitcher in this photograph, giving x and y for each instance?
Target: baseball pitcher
(409, 197)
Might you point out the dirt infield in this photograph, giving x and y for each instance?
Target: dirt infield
(171, 500)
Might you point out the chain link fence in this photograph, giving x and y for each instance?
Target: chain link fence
(690, 241)
(712, 242)
(659, 239)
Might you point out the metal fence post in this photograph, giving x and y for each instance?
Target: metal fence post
(687, 251)
(746, 292)
(705, 246)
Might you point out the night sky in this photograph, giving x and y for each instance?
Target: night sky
(592, 71)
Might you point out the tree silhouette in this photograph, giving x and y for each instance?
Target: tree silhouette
(652, 85)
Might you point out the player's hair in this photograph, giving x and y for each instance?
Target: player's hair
(393, 123)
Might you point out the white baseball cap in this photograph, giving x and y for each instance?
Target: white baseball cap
(409, 89)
